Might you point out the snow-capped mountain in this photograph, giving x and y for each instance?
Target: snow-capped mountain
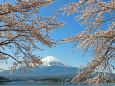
(50, 61)
(52, 67)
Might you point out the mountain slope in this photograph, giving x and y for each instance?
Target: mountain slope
(51, 67)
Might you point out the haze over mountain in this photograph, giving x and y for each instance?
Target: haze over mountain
(51, 67)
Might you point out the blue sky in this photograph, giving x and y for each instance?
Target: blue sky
(72, 27)
(64, 51)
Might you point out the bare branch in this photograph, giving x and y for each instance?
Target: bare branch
(10, 56)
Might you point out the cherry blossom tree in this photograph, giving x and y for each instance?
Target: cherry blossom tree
(99, 37)
(22, 29)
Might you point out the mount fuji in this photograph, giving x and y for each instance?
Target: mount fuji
(52, 61)
(51, 67)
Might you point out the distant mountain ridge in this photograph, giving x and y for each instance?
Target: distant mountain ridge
(51, 67)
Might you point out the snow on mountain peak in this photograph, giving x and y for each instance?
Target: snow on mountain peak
(51, 60)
